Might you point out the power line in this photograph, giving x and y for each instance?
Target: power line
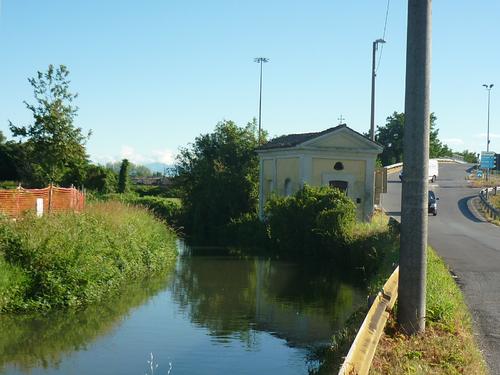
(383, 36)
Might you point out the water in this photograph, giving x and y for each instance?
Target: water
(213, 314)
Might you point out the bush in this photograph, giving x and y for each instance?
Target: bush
(164, 208)
(314, 221)
(71, 259)
(247, 231)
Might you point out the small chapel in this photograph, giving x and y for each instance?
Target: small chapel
(338, 157)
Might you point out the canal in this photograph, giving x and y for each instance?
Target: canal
(214, 313)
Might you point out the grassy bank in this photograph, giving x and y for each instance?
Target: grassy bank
(448, 345)
(379, 240)
(495, 201)
(72, 259)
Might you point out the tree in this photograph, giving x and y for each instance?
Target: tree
(218, 175)
(100, 179)
(55, 147)
(469, 156)
(13, 160)
(135, 170)
(391, 137)
(123, 177)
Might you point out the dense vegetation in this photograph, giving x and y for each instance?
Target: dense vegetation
(315, 223)
(391, 137)
(168, 210)
(218, 176)
(43, 266)
(325, 217)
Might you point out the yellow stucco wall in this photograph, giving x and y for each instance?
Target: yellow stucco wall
(322, 170)
(268, 167)
(287, 168)
(353, 169)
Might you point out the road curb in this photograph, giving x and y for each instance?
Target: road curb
(472, 205)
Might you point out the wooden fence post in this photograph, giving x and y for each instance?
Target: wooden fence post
(50, 198)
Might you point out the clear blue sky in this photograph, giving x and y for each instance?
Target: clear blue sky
(152, 75)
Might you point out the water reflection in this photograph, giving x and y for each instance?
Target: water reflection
(44, 340)
(301, 303)
(214, 314)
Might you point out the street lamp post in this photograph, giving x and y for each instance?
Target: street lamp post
(488, 87)
(372, 118)
(260, 60)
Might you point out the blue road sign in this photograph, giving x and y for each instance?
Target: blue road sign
(487, 160)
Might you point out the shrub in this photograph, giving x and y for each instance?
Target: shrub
(164, 208)
(313, 221)
(70, 259)
(247, 231)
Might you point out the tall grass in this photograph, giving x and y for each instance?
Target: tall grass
(71, 259)
(448, 345)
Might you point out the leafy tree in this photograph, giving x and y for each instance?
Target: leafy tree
(8, 168)
(54, 146)
(123, 177)
(219, 179)
(469, 156)
(100, 179)
(391, 137)
(13, 160)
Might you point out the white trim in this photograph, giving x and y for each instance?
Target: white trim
(350, 132)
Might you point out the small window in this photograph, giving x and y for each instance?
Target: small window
(288, 187)
(338, 166)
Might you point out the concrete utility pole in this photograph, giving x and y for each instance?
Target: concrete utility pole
(260, 60)
(374, 74)
(413, 253)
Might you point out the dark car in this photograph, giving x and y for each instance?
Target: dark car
(432, 205)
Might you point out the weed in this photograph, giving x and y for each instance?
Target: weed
(70, 259)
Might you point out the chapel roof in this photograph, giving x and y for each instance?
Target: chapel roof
(291, 140)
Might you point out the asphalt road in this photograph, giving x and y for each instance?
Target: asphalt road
(471, 248)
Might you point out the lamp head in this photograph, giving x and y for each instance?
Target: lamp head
(380, 41)
(261, 59)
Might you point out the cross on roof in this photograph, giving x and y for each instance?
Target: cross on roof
(341, 120)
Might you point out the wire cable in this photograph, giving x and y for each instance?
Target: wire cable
(383, 36)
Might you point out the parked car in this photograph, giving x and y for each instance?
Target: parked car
(432, 205)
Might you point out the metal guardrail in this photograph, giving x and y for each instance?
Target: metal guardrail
(483, 195)
(359, 359)
(395, 167)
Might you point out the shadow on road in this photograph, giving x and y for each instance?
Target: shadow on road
(464, 209)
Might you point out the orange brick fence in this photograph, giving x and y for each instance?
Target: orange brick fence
(16, 202)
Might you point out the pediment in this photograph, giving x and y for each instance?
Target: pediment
(343, 139)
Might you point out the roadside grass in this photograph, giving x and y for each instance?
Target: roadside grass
(482, 183)
(448, 345)
(70, 259)
(495, 200)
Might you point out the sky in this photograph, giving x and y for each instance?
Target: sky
(152, 75)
